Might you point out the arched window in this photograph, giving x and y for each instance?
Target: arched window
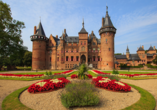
(83, 49)
(109, 49)
(93, 43)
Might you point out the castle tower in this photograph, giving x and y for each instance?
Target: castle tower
(107, 33)
(83, 45)
(127, 52)
(39, 48)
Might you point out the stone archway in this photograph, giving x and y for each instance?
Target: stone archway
(83, 59)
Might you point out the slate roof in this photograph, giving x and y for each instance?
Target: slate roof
(107, 20)
(83, 31)
(148, 54)
(40, 30)
(74, 39)
(134, 57)
(120, 56)
(140, 49)
(93, 36)
(150, 48)
(56, 40)
(116, 62)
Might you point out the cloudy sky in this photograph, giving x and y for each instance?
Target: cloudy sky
(135, 20)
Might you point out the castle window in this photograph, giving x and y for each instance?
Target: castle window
(109, 49)
(93, 43)
(81, 42)
(84, 42)
(98, 58)
(71, 50)
(66, 58)
(57, 58)
(106, 33)
(98, 49)
(62, 59)
(83, 49)
(66, 50)
(50, 59)
(71, 58)
(77, 58)
(106, 40)
(93, 49)
(77, 50)
(107, 63)
(93, 58)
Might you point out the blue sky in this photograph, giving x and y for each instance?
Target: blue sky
(135, 20)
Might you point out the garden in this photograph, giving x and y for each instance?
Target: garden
(81, 88)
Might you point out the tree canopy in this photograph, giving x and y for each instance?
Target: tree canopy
(11, 44)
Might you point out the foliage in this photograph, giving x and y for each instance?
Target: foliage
(150, 66)
(82, 69)
(118, 54)
(27, 58)
(10, 36)
(79, 94)
(115, 71)
(125, 66)
(155, 60)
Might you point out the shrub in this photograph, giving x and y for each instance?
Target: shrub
(110, 77)
(79, 94)
(83, 68)
(115, 72)
(54, 76)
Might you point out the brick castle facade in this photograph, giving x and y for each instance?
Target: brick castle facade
(66, 51)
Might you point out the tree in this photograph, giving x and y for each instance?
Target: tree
(10, 34)
(117, 54)
(155, 60)
(27, 59)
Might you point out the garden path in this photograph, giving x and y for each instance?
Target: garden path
(149, 84)
(9, 86)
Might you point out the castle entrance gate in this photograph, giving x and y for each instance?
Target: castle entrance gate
(83, 59)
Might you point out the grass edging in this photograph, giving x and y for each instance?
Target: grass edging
(12, 102)
(146, 102)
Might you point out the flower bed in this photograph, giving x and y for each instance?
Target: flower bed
(138, 75)
(65, 72)
(74, 76)
(48, 85)
(89, 76)
(21, 75)
(113, 85)
(99, 72)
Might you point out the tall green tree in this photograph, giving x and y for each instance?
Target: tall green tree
(10, 34)
(155, 60)
(27, 59)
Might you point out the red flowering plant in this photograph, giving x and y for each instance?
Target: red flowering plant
(99, 72)
(47, 85)
(74, 76)
(65, 72)
(89, 76)
(21, 75)
(104, 82)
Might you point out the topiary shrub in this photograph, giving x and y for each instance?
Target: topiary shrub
(79, 94)
(115, 72)
(82, 69)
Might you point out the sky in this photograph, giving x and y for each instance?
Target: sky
(135, 20)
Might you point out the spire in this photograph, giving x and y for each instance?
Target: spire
(83, 23)
(107, 10)
(40, 30)
(127, 50)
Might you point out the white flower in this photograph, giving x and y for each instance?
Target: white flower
(119, 83)
(104, 80)
(55, 80)
(40, 84)
(94, 77)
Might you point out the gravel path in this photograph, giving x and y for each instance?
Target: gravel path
(9, 86)
(150, 85)
(51, 101)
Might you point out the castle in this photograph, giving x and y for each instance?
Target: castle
(66, 51)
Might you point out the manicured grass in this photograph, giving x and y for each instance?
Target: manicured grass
(93, 74)
(146, 102)
(75, 72)
(21, 79)
(3, 71)
(12, 102)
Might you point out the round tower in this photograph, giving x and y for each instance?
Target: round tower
(39, 48)
(107, 33)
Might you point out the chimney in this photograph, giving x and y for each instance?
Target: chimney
(89, 36)
(142, 46)
(64, 30)
(123, 53)
(92, 32)
(137, 48)
(102, 22)
(154, 47)
(57, 36)
(34, 29)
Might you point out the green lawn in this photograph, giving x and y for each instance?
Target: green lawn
(127, 72)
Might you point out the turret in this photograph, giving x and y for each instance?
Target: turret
(127, 52)
(39, 48)
(107, 33)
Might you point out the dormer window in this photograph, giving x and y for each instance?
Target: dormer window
(94, 43)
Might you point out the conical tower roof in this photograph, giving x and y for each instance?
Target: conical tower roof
(150, 48)
(40, 30)
(107, 20)
(127, 50)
